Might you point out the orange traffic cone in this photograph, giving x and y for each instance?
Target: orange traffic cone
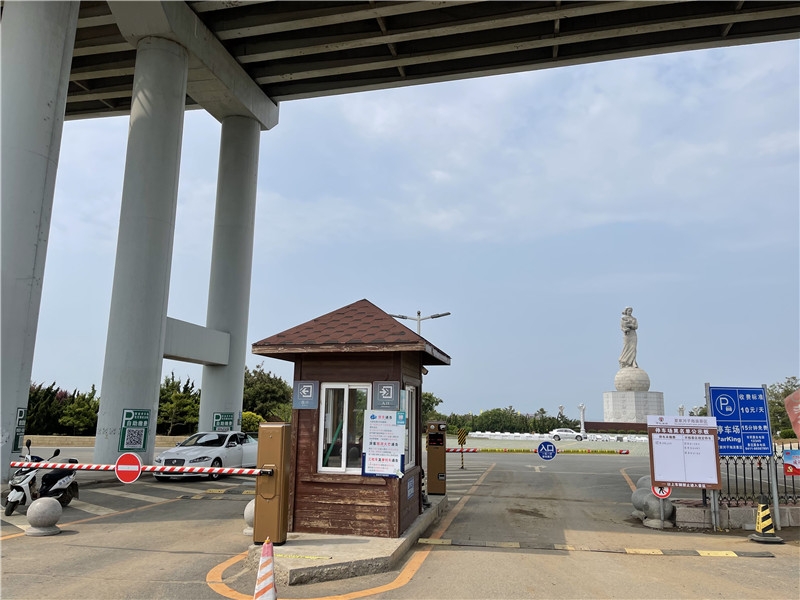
(764, 531)
(265, 581)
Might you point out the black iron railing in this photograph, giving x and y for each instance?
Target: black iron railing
(745, 478)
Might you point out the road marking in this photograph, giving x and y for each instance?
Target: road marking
(573, 548)
(18, 520)
(91, 508)
(130, 495)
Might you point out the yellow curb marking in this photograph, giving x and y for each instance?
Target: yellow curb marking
(716, 553)
(563, 547)
(502, 544)
(642, 551)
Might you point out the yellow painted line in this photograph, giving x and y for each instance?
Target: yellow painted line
(502, 544)
(412, 566)
(628, 479)
(563, 547)
(716, 553)
(214, 579)
(216, 491)
(434, 542)
(642, 551)
(249, 492)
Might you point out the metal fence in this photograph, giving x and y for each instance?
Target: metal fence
(745, 478)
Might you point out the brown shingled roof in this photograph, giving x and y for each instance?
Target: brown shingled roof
(357, 327)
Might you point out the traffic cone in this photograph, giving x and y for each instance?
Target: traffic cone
(265, 581)
(764, 531)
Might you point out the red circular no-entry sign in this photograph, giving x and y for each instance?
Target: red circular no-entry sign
(128, 467)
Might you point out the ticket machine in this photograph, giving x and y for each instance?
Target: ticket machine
(271, 516)
(437, 458)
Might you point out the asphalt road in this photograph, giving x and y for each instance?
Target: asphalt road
(519, 527)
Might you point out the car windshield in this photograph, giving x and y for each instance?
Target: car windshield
(205, 439)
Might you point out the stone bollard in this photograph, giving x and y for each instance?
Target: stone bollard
(249, 517)
(43, 514)
(644, 482)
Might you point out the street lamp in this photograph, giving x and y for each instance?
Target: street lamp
(419, 319)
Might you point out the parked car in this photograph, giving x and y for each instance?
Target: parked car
(567, 434)
(209, 449)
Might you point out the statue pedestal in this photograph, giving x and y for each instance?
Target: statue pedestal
(631, 407)
(632, 401)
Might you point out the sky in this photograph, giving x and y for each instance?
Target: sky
(533, 207)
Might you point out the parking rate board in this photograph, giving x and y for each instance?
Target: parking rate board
(742, 420)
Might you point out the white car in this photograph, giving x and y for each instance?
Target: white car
(209, 449)
(566, 434)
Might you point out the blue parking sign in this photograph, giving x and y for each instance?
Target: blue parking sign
(742, 421)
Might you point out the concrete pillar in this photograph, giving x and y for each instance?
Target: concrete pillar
(231, 266)
(37, 41)
(137, 321)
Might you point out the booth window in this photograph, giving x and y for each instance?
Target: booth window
(342, 426)
(411, 425)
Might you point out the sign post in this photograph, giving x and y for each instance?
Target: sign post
(547, 451)
(462, 439)
(133, 432)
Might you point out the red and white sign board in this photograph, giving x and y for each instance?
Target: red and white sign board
(661, 491)
(128, 467)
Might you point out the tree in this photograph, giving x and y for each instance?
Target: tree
(429, 404)
(80, 414)
(46, 406)
(251, 421)
(266, 394)
(699, 411)
(776, 393)
(178, 406)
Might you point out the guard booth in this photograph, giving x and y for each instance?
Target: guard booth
(355, 447)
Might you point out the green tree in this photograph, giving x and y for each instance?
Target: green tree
(178, 406)
(251, 421)
(266, 394)
(776, 393)
(80, 414)
(429, 404)
(46, 406)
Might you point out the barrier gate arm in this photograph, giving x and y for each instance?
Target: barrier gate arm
(145, 468)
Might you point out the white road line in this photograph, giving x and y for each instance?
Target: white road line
(91, 508)
(132, 496)
(18, 520)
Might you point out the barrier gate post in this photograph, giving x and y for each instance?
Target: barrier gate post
(437, 458)
(271, 515)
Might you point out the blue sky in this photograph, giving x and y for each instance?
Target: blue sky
(534, 207)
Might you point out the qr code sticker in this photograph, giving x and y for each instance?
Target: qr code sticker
(134, 438)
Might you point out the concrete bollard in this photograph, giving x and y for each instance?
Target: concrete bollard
(249, 517)
(43, 514)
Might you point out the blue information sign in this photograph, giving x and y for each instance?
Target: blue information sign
(547, 450)
(742, 421)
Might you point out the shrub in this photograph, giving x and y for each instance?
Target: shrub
(788, 434)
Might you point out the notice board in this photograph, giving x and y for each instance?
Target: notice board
(684, 452)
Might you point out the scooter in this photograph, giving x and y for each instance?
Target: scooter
(58, 483)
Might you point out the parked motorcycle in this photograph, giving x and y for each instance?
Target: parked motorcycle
(58, 483)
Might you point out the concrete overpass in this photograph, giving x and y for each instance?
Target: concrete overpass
(238, 60)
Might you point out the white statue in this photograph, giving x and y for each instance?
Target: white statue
(629, 325)
(582, 408)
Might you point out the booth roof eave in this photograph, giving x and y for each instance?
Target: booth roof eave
(431, 355)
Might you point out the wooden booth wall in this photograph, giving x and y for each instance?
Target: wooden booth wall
(344, 504)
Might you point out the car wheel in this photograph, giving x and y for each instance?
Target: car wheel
(557, 438)
(217, 463)
(578, 438)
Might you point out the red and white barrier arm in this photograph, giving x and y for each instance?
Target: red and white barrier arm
(461, 449)
(145, 468)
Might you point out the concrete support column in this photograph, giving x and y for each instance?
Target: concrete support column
(37, 41)
(231, 266)
(137, 321)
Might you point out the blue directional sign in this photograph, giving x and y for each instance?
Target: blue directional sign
(742, 421)
(547, 450)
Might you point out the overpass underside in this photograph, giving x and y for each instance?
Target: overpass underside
(238, 60)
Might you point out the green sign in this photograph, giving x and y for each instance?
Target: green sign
(19, 429)
(133, 433)
(223, 421)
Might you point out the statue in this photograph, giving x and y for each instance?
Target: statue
(582, 408)
(629, 324)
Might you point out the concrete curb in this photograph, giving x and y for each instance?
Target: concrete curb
(343, 559)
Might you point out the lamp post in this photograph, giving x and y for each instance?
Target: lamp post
(420, 318)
